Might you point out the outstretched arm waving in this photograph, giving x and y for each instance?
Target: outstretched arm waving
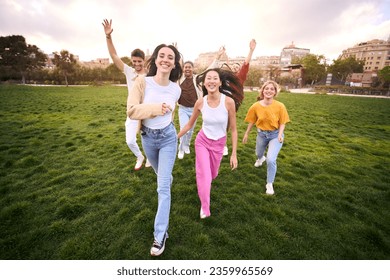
(110, 45)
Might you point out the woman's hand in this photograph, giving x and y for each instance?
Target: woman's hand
(220, 52)
(245, 138)
(252, 45)
(233, 162)
(166, 108)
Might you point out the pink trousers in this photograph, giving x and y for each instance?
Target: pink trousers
(208, 158)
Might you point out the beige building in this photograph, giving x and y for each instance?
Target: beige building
(205, 59)
(290, 52)
(361, 79)
(266, 61)
(96, 63)
(374, 53)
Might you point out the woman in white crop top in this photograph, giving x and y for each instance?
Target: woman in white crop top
(223, 93)
(152, 100)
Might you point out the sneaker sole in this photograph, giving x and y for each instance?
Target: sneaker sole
(156, 254)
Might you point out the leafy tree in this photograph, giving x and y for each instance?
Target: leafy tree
(65, 63)
(384, 76)
(341, 68)
(290, 81)
(253, 77)
(127, 60)
(19, 57)
(273, 72)
(314, 68)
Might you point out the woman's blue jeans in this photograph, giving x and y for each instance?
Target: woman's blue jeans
(268, 138)
(184, 116)
(160, 147)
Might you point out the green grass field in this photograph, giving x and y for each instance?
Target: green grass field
(68, 189)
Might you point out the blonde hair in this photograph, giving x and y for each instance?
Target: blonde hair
(276, 87)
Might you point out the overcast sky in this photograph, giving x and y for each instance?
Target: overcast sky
(324, 26)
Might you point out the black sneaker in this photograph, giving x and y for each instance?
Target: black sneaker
(157, 248)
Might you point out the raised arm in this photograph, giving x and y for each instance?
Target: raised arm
(252, 46)
(110, 45)
(220, 52)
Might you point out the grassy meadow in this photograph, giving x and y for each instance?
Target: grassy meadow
(68, 189)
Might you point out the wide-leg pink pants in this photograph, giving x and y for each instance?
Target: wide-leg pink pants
(208, 158)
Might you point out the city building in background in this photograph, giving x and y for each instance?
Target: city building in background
(374, 53)
(290, 52)
(205, 59)
(97, 63)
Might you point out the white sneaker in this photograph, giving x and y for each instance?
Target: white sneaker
(259, 162)
(147, 163)
(202, 215)
(140, 161)
(180, 154)
(158, 248)
(225, 151)
(270, 189)
(187, 150)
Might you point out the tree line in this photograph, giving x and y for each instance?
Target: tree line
(25, 63)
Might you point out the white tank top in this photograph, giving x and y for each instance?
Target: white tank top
(215, 120)
(154, 93)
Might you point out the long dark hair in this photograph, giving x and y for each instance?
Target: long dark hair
(231, 85)
(151, 63)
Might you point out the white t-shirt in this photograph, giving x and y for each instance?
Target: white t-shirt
(130, 75)
(154, 93)
(215, 120)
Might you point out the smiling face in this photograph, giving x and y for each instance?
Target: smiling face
(269, 91)
(235, 67)
(138, 63)
(188, 70)
(165, 60)
(212, 82)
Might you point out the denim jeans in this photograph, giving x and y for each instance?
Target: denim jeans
(160, 146)
(184, 116)
(270, 139)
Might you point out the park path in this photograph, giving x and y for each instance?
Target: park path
(308, 91)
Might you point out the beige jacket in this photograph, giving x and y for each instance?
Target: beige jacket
(136, 110)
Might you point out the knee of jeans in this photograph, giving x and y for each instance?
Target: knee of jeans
(271, 160)
(164, 190)
(165, 181)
